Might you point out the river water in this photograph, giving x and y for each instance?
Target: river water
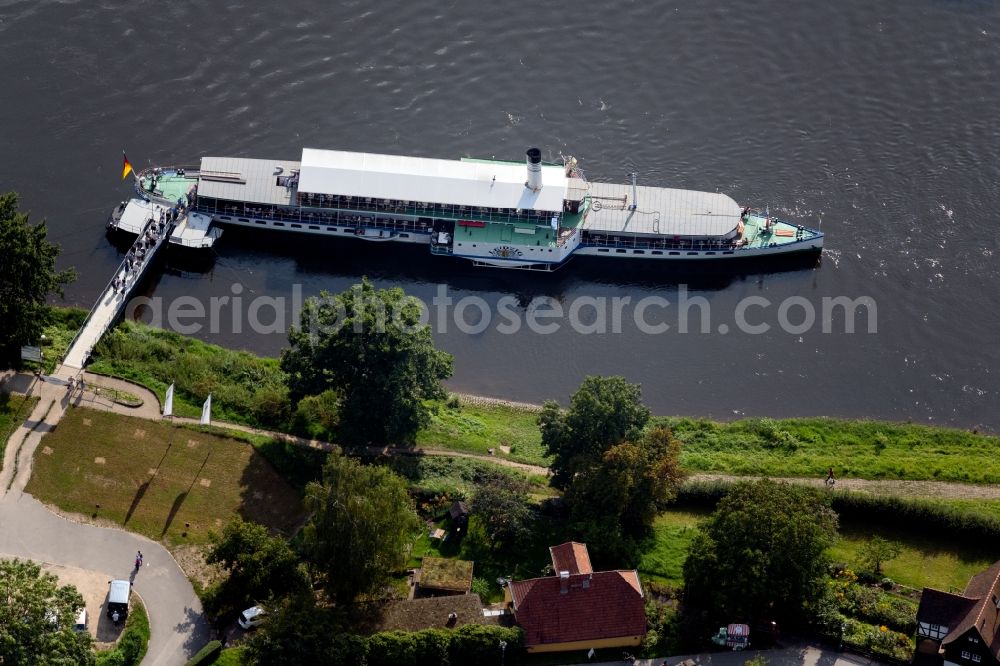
(875, 120)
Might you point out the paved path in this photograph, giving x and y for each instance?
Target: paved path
(29, 530)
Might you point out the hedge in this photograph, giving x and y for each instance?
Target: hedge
(918, 515)
(207, 654)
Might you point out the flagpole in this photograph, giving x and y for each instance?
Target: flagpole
(168, 412)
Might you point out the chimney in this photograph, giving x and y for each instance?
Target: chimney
(563, 582)
(534, 182)
(586, 581)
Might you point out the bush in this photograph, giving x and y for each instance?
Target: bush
(878, 639)
(207, 654)
(922, 516)
(317, 416)
(872, 604)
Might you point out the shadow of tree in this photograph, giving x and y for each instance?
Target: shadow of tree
(179, 500)
(139, 493)
(198, 629)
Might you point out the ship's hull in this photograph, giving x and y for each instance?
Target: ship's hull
(492, 255)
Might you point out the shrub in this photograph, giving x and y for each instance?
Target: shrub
(207, 654)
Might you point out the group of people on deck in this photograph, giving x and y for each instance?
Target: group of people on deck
(137, 253)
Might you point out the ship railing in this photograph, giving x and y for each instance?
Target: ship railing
(591, 240)
(317, 218)
(148, 171)
(443, 212)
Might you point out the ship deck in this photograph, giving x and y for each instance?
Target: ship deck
(659, 211)
(540, 236)
(172, 187)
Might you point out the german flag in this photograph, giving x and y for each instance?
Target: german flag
(126, 166)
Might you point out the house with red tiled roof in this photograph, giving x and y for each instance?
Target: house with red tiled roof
(961, 629)
(578, 608)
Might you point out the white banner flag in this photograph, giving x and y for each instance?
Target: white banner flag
(168, 403)
(206, 411)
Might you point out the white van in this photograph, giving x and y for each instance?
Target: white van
(81, 621)
(118, 594)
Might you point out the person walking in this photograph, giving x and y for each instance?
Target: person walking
(138, 560)
(830, 480)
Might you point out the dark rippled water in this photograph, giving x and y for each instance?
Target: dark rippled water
(876, 120)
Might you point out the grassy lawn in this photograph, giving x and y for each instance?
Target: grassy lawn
(201, 479)
(478, 428)
(14, 410)
(663, 556)
(925, 561)
(862, 449)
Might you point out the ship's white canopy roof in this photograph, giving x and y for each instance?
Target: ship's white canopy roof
(662, 211)
(456, 182)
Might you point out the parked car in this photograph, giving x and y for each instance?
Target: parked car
(118, 595)
(251, 617)
(80, 625)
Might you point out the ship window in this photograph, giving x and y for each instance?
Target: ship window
(278, 224)
(603, 249)
(225, 217)
(620, 251)
(728, 252)
(404, 235)
(657, 252)
(313, 226)
(692, 253)
(243, 219)
(638, 252)
(296, 226)
(260, 221)
(348, 231)
(674, 253)
(709, 253)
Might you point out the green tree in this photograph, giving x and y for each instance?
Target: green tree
(617, 498)
(502, 504)
(362, 527)
(259, 565)
(604, 411)
(877, 551)
(27, 278)
(761, 554)
(37, 617)
(299, 631)
(369, 345)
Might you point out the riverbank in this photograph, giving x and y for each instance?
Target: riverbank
(250, 390)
